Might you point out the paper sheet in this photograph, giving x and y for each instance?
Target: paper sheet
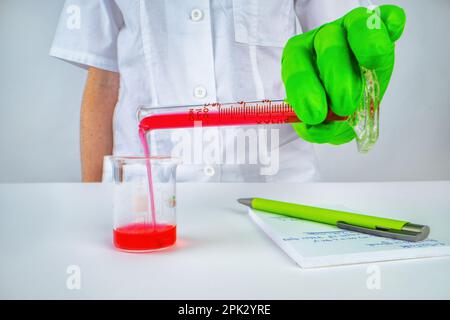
(313, 244)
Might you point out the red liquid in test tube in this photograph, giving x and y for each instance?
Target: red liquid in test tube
(216, 115)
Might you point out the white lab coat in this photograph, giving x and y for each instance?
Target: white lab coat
(188, 52)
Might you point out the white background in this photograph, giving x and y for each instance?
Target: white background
(40, 102)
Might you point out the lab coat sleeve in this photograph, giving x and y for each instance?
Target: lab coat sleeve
(314, 13)
(87, 33)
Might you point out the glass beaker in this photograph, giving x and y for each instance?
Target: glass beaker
(144, 205)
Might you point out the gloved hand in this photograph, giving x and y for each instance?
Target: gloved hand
(321, 69)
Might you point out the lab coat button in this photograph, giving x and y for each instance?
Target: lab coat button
(200, 92)
(196, 15)
(209, 171)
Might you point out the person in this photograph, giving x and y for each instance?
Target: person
(167, 53)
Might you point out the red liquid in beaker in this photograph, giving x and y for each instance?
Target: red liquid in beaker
(144, 236)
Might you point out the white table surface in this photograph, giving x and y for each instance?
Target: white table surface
(44, 228)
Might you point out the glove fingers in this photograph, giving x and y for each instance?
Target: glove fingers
(369, 39)
(338, 69)
(304, 90)
(394, 19)
(333, 132)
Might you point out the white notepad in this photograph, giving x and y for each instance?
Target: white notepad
(312, 244)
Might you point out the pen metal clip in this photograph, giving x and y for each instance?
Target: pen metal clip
(409, 232)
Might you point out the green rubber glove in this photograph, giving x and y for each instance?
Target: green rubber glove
(321, 69)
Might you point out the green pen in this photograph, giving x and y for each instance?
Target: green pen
(390, 228)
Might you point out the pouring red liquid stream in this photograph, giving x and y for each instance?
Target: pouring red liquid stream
(146, 148)
(144, 236)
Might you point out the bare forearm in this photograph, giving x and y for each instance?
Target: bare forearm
(96, 136)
